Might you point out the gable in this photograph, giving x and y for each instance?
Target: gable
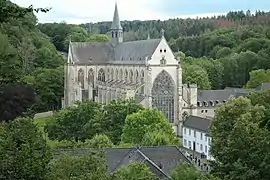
(163, 50)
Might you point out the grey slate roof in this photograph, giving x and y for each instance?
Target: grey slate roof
(160, 159)
(263, 87)
(213, 95)
(198, 123)
(132, 52)
(116, 25)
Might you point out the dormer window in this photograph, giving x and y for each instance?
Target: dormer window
(205, 103)
(212, 103)
(199, 104)
(217, 101)
(224, 101)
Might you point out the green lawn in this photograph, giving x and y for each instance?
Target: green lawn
(41, 122)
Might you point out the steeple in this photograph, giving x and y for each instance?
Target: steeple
(116, 20)
(116, 28)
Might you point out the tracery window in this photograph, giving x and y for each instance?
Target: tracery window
(81, 78)
(163, 95)
(131, 76)
(91, 77)
(101, 75)
(126, 75)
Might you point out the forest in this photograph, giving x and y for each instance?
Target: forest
(216, 52)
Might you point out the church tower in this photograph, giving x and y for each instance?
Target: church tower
(116, 28)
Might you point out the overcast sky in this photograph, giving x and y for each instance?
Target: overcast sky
(83, 11)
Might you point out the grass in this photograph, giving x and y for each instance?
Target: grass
(41, 122)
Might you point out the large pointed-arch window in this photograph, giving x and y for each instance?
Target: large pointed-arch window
(163, 95)
(142, 82)
(101, 75)
(116, 74)
(81, 77)
(137, 76)
(121, 74)
(131, 76)
(126, 75)
(108, 73)
(91, 77)
(112, 74)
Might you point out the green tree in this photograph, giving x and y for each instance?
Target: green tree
(91, 166)
(184, 172)
(23, 152)
(9, 62)
(257, 77)
(194, 74)
(79, 122)
(99, 141)
(239, 145)
(156, 138)
(146, 121)
(134, 171)
(99, 38)
(114, 115)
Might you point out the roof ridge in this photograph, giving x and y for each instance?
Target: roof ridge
(154, 164)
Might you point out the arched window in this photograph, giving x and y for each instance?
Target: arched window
(142, 82)
(81, 78)
(131, 76)
(116, 74)
(126, 75)
(112, 74)
(163, 95)
(91, 77)
(137, 76)
(101, 75)
(121, 74)
(108, 73)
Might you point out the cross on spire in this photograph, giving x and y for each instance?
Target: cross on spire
(162, 32)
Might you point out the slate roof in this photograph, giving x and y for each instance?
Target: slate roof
(198, 123)
(161, 160)
(132, 52)
(263, 87)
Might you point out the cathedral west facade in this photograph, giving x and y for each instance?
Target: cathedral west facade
(144, 70)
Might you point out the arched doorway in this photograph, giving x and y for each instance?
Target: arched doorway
(163, 95)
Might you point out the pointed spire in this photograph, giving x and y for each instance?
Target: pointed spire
(116, 20)
(148, 37)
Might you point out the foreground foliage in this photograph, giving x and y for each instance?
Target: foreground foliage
(23, 152)
(240, 145)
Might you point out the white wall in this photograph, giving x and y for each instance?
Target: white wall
(202, 142)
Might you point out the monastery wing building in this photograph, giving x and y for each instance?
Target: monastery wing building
(144, 70)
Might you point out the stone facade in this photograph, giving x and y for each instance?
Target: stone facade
(144, 70)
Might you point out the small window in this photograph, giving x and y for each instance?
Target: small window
(165, 50)
(185, 142)
(205, 111)
(202, 111)
(194, 133)
(189, 144)
(185, 130)
(201, 147)
(205, 138)
(189, 132)
(160, 50)
(205, 149)
(201, 136)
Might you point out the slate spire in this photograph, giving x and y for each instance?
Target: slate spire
(116, 20)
